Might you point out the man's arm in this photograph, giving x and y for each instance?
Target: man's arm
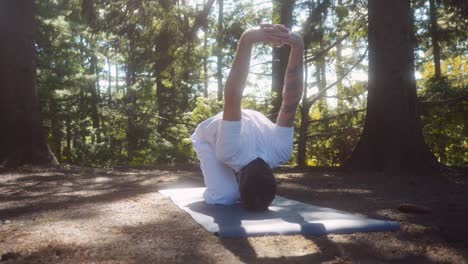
(293, 82)
(237, 77)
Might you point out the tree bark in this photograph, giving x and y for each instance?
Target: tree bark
(22, 139)
(392, 141)
(282, 14)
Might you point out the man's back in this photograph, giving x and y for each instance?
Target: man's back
(259, 137)
(221, 157)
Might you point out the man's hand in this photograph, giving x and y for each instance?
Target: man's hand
(292, 39)
(275, 36)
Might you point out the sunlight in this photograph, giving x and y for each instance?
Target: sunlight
(283, 246)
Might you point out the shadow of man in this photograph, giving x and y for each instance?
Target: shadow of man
(234, 221)
(234, 225)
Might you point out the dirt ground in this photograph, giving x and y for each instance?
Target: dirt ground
(84, 215)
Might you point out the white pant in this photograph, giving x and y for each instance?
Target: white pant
(220, 179)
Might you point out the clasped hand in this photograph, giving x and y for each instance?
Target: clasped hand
(275, 35)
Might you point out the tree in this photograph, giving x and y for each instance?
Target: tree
(312, 35)
(434, 31)
(282, 14)
(22, 140)
(392, 140)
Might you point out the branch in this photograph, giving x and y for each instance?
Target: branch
(341, 98)
(324, 51)
(201, 18)
(260, 73)
(265, 62)
(322, 92)
(261, 3)
(450, 100)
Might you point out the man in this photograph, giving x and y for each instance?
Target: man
(245, 142)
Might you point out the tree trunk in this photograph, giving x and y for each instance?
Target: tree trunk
(311, 35)
(219, 68)
(321, 67)
(109, 78)
(130, 104)
(339, 58)
(305, 120)
(116, 70)
(282, 14)
(68, 153)
(434, 29)
(95, 98)
(205, 58)
(55, 128)
(22, 139)
(392, 141)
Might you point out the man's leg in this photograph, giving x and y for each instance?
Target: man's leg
(220, 180)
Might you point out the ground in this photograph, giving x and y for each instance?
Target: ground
(83, 215)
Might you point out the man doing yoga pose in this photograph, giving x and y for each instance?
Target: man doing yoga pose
(245, 142)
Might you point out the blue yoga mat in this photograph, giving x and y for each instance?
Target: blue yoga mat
(284, 217)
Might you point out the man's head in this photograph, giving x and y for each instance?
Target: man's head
(257, 185)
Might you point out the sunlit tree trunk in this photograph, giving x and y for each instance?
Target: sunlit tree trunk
(205, 58)
(434, 31)
(339, 58)
(68, 146)
(130, 100)
(219, 65)
(94, 90)
(320, 65)
(305, 120)
(392, 141)
(22, 139)
(116, 69)
(311, 35)
(109, 77)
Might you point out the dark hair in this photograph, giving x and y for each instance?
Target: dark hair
(257, 185)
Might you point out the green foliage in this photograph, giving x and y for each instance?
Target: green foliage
(120, 82)
(445, 128)
(204, 109)
(334, 132)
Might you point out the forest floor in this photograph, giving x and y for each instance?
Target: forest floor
(84, 215)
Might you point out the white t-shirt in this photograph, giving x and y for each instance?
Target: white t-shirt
(225, 147)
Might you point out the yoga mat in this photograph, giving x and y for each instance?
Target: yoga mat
(284, 217)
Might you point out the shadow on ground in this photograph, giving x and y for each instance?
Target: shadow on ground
(77, 214)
